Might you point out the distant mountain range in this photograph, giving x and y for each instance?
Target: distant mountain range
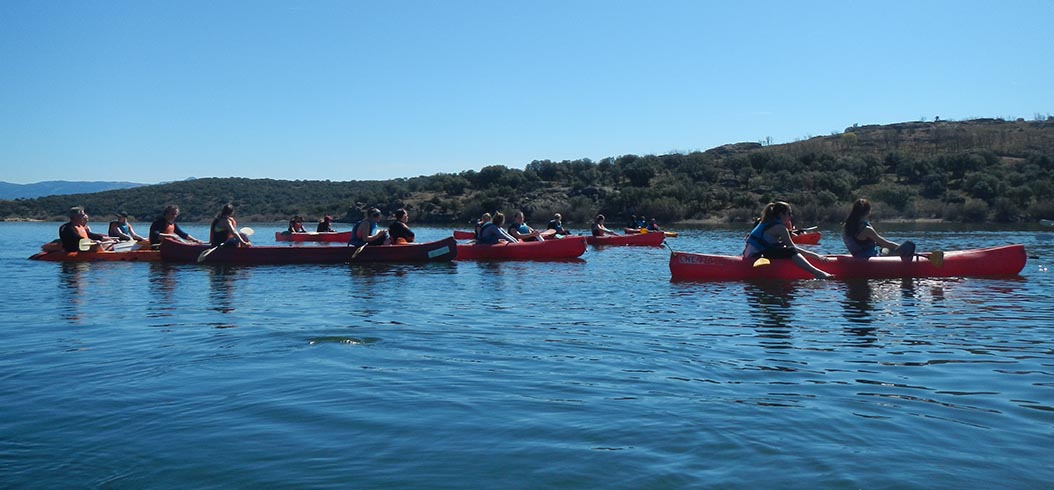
(58, 187)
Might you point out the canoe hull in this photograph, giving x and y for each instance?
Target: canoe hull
(639, 239)
(129, 256)
(440, 250)
(335, 237)
(995, 261)
(807, 238)
(556, 249)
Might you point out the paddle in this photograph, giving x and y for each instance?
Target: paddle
(1046, 222)
(246, 232)
(85, 244)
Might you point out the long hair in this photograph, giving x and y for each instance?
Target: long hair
(774, 209)
(861, 208)
(498, 219)
(228, 209)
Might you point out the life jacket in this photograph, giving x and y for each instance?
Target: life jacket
(219, 234)
(860, 249)
(522, 228)
(486, 236)
(757, 242)
(355, 240)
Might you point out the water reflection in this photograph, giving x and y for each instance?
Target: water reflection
(72, 285)
(859, 309)
(221, 286)
(770, 302)
(162, 281)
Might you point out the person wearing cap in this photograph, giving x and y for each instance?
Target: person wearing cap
(325, 225)
(76, 229)
(367, 232)
(122, 229)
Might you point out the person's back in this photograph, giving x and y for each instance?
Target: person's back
(489, 234)
(400, 231)
(70, 237)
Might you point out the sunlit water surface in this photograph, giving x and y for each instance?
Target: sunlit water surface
(598, 373)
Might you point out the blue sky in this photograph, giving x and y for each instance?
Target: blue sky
(151, 91)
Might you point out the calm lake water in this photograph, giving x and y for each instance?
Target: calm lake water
(598, 373)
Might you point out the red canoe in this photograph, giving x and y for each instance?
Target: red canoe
(807, 238)
(555, 249)
(144, 255)
(439, 250)
(464, 235)
(639, 239)
(995, 261)
(326, 236)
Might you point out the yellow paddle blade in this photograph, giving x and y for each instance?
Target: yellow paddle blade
(85, 244)
(761, 262)
(937, 258)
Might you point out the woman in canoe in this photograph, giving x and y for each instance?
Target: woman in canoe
(861, 238)
(398, 231)
(166, 227)
(296, 225)
(77, 229)
(557, 225)
(122, 229)
(367, 231)
(772, 240)
(521, 231)
(325, 225)
(598, 227)
(491, 233)
(224, 230)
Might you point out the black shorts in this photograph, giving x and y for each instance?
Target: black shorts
(775, 253)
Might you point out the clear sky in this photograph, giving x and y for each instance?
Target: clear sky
(155, 90)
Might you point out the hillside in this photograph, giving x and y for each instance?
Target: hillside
(971, 171)
(58, 187)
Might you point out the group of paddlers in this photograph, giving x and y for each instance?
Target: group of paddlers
(771, 238)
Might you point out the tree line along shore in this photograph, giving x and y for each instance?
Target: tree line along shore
(981, 170)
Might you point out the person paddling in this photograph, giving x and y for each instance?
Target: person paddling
(367, 232)
(520, 230)
(557, 225)
(77, 229)
(491, 233)
(771, 239)
(598, 227)
(296, 225)
(399, 232)
(325, 225)
(224, 230)
(166, 227)
(122, 229)
(863, 241)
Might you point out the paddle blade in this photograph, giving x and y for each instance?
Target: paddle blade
(937, 258)
(85, 244)
(205, 254)
(761, 262)
(246, 231)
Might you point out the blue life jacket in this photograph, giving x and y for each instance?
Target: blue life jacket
(355, 241)
(757, 242)
(860, 249)
(489, 234)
